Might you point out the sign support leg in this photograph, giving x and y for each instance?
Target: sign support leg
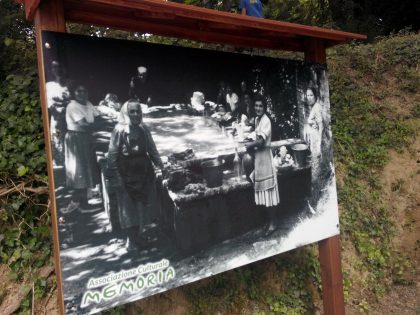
(331, 275)
(50, 17)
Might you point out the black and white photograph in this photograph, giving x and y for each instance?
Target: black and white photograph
(174, 164)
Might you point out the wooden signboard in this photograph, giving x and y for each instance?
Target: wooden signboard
(183, 21)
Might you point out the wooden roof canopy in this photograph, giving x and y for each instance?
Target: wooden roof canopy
(185, 21)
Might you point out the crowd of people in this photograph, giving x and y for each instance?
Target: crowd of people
(233, 109)
(132, 154)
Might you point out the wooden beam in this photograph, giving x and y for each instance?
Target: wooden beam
(331, 275)
(198, 13)
(50, 16)
(315, 51)
(30, 8)
(193, 32)
(192, 22)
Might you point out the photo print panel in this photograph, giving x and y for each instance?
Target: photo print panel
(175, 164)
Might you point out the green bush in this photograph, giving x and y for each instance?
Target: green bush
(22, 146)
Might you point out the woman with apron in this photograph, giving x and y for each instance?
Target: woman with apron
(264, 175)
(130, 156)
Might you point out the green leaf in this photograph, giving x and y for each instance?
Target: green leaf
(26, 254)
(17, 254)
(22, 170)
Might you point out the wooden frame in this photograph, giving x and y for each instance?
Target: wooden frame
(183, 21)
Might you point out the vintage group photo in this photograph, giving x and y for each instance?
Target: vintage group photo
(173, 164)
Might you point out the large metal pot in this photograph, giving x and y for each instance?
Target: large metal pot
(300, 154)
(213, 172)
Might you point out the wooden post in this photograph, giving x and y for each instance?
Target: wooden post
(315, 51)
(329, 249)
(331, 275)
(50, 17)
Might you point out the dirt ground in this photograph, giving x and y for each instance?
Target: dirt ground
(400, 179)
(13, 293)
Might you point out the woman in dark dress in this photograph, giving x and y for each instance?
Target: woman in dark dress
(130, 156)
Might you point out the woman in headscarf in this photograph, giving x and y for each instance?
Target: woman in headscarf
(264, 175)
(130, 156)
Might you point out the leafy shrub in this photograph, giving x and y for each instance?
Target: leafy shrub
(22, 146)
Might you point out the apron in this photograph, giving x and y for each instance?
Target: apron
(135, 165)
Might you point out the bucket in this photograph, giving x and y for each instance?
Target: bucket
(300, 154)
(213, 172)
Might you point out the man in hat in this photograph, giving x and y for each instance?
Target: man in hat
(140, 87)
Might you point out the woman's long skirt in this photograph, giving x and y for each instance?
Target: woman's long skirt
(80, 161)
(265, 179)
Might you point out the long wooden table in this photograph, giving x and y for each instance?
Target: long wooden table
(199, 220)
